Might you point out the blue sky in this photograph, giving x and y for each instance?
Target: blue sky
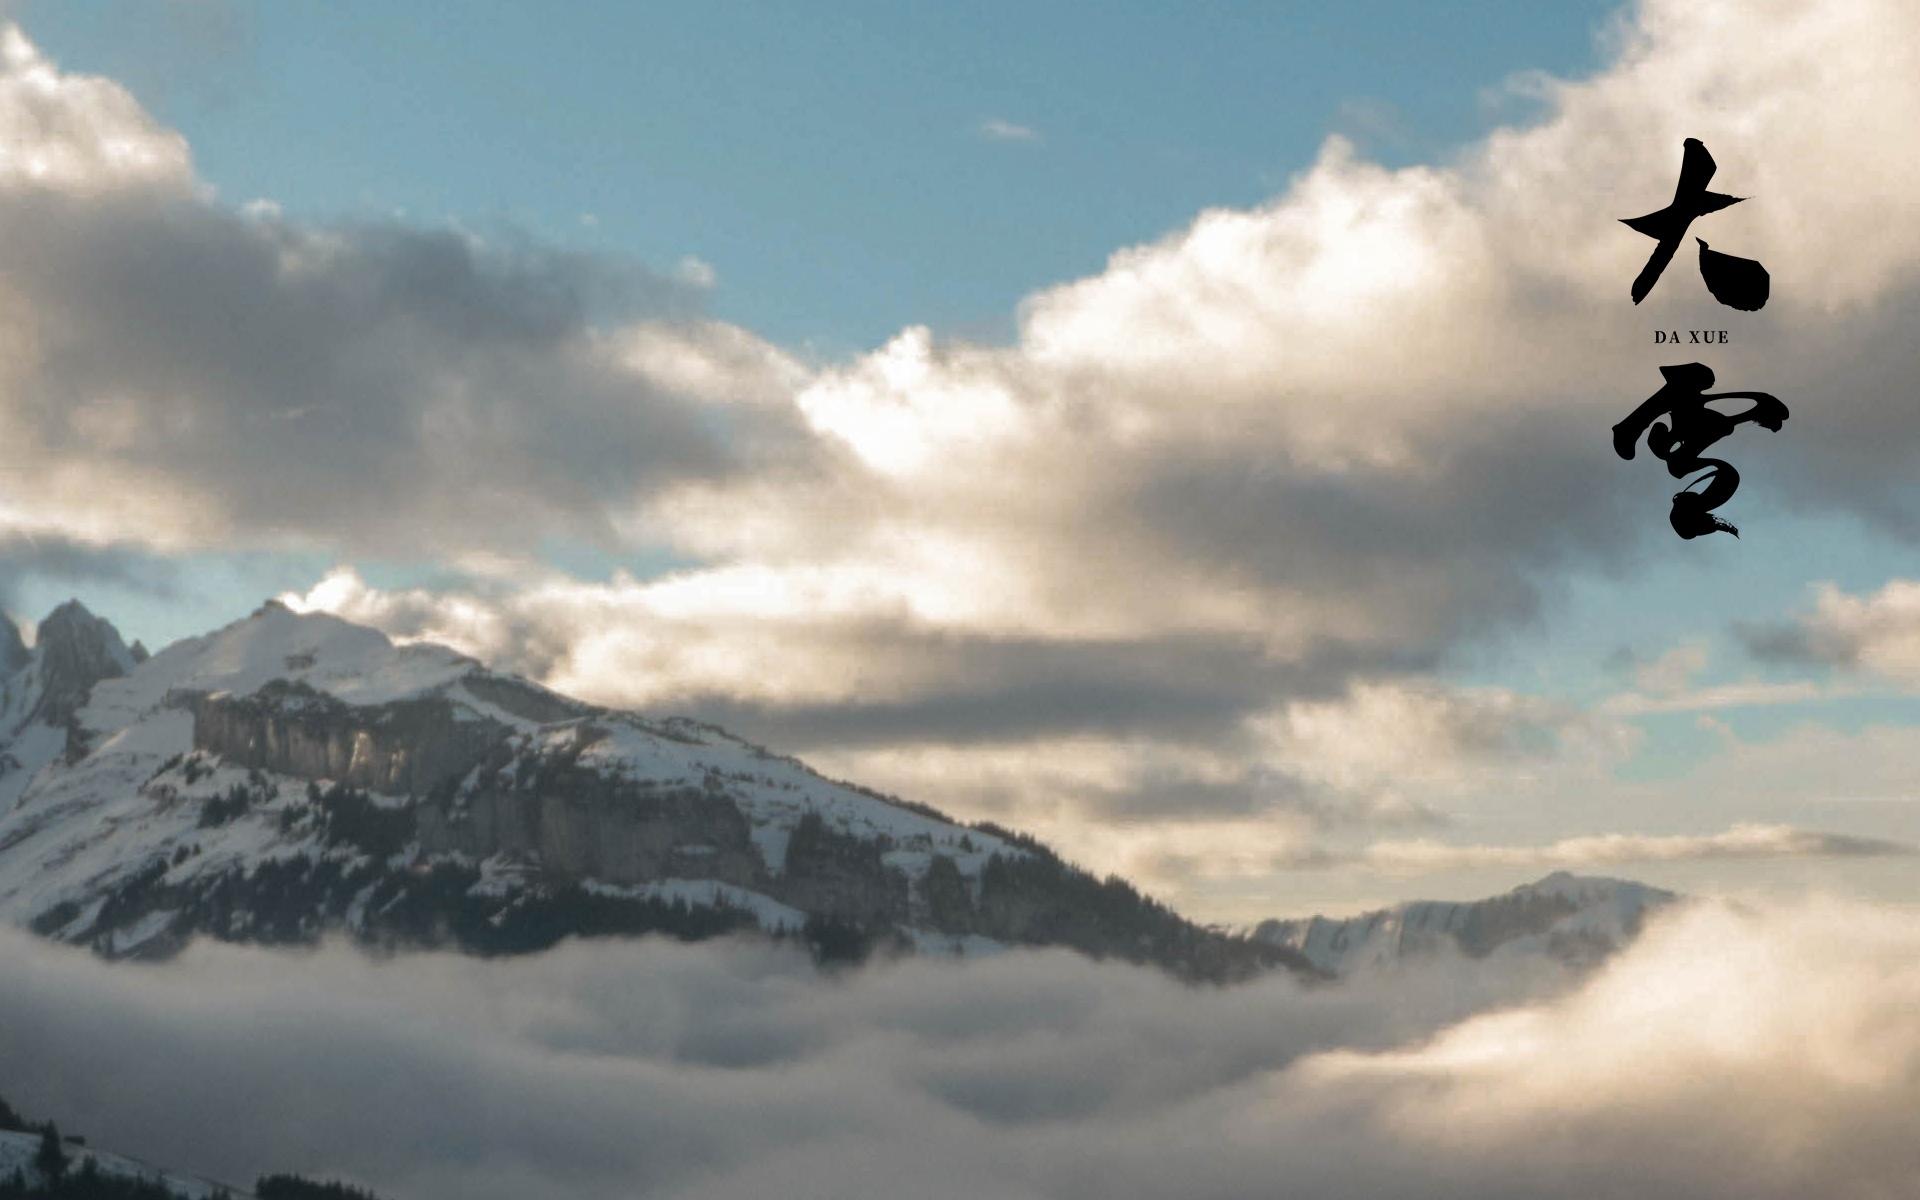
(826, 160)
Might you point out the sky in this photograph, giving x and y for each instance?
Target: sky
(844, 170)
(1184, 437)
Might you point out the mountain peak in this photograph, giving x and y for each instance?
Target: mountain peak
(351, 662)
(71, 613)
(72, 651)
(1583, 889)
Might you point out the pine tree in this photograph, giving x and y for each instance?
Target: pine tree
(51, 1160)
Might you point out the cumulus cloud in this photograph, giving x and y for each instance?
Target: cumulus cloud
(77, 134)
(1189, 412)
(1878, 634)
(180, 373)
(1336, 435)
(1422, 739)
(1731, 1052)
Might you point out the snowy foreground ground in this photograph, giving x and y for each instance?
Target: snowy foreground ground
(1731, 1051)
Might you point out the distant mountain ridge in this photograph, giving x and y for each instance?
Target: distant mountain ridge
(294, 774)
(1573, 919)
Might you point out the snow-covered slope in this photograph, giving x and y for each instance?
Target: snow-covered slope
(17, 1152)
(294, 773)
(1572, 918)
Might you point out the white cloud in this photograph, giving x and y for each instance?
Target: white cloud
(1425, 740)
(1758, 1052)
(78, 134)
(183, 374)
(696, 272)
(1672, 671)
(1877, 633)
(996, 129)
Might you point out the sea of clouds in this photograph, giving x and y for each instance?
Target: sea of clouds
(1735, 1050)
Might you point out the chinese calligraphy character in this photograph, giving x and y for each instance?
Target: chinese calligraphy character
(1692, 426)
(1740, 283)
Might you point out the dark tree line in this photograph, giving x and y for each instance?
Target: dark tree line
(62, 1169)
(292, 1187)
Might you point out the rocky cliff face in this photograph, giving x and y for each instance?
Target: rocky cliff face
(543, 807)
(406, 748)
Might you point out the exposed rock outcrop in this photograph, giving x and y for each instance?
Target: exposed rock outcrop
(407, 748)
(582, 825)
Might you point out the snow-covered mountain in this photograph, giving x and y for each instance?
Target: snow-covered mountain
(293, 773)
(41, 689)
(1575, 919)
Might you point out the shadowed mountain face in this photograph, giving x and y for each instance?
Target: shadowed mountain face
(1571, 918)
(294, 774)
(72, 651)
(13, 652)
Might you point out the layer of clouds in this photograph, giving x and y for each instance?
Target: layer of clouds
(80, 565)
(1612, 849)
(1719, 696)
(1746, 1052)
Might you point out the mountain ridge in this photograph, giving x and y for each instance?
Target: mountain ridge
(1574, 919)
(291, 775)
